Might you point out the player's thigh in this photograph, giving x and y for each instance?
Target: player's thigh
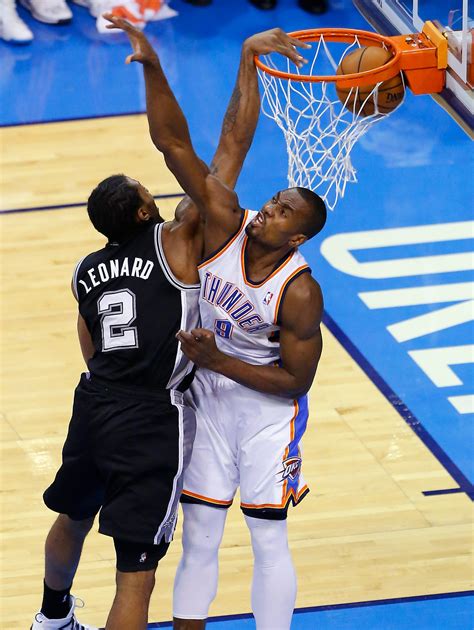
(77, 489)
(212, 476)
(270, 457)
(141, 458)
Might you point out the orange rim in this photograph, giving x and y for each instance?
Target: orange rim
(344, 35)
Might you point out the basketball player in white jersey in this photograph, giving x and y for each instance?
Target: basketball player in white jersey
(258, 352)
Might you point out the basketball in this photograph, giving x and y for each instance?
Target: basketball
(390, 93)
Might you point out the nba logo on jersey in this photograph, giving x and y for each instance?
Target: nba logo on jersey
(143, 557)
(268, 298)
(291, 468)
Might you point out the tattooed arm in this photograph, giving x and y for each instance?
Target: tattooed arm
(240, 122)
(237, 132)
(240, 119)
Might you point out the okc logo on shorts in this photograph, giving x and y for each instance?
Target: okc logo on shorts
(291, 468)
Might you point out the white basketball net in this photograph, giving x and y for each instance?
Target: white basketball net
(319, 129)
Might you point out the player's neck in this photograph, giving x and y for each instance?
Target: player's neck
(261, 261)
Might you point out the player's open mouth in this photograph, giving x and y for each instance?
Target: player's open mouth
(259, 219)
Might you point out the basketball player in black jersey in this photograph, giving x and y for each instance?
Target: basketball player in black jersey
(130, 435)
(286, 221)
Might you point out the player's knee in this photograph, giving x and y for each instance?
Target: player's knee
(135, 557)
(136, 584)
(78, 527)
(269, 540)
(200, 540)
(198, 549)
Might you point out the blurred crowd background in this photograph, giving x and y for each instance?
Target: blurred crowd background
(14, 30)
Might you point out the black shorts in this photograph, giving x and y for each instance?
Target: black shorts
(124, 455)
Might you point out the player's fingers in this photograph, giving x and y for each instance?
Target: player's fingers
(133, 57)
(120, 23)
(207, 334)
(293, 55)
(187, 350)
(110, 17)
(297, 42)
(200, 333)
(184, 336)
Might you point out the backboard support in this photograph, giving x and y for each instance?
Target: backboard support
(452, 18)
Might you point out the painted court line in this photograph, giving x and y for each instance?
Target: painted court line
(335, 607)
(74, 205)
(464, 484)
(51, 121)
(429, 493)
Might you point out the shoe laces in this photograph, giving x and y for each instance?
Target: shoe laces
(72, 623)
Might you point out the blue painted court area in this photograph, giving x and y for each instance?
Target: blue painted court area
(453, 611)
(394, 262)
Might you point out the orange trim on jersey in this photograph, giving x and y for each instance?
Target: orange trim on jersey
(219, 252)
(274, 272)
(207, 499)
(282, 290)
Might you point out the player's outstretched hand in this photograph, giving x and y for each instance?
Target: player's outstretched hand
(200, 347)
(142, 49)
(276, 40)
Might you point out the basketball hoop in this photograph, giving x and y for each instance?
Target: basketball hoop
(323, 112)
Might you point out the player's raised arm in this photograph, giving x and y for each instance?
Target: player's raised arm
(241, 117)
(300, 346)
(240, 122)
(168, 127)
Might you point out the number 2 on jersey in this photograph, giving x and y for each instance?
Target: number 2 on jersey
(118, 310)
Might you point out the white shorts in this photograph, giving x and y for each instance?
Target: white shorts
(249, 439)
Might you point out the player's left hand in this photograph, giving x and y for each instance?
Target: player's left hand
(200, 347)
(276, 40)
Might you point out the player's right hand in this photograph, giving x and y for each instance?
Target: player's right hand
(143, 51)
(276, 40)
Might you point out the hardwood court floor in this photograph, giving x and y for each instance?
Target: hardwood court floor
(365, 532)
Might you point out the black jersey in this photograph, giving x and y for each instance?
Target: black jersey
(133, 307)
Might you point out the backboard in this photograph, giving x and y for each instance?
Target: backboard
(454, 19)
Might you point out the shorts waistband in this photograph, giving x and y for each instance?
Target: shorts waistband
(125, 390)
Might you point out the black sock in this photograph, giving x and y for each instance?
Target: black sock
(56, 604)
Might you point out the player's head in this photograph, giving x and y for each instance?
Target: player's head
(289, 218)
(120, 207)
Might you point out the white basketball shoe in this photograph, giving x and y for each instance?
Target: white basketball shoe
(12, 27)
(67, 623)
(130, 10)
(48, 11)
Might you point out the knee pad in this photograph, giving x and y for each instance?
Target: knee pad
(133, 556)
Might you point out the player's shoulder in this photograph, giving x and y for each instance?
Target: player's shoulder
(305, 288)
(302, 308)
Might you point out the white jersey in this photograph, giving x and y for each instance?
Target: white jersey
(245, 316)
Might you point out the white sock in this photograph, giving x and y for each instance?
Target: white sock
(195, 584)
(274, 578)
